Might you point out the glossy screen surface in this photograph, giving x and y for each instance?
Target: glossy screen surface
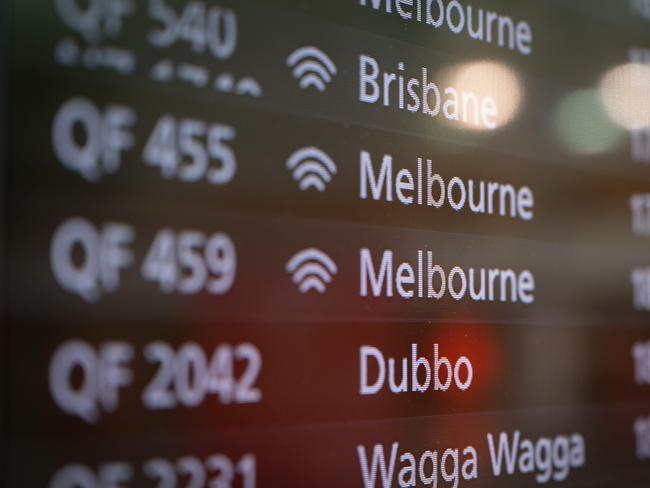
(343, 243)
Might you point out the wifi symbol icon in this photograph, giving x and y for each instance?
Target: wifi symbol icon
(311, 67)
(311, 168)
(311, 269)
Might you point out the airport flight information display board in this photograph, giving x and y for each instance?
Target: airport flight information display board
(342, 243)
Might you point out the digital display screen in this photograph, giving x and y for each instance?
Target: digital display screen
(335, 243)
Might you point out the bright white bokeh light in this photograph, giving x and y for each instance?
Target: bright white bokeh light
(489, 79)
(625, 93)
